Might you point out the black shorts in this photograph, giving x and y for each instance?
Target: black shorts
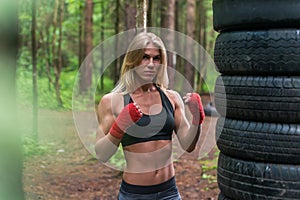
(163, 191)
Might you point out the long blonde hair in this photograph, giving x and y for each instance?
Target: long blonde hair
(133, 58)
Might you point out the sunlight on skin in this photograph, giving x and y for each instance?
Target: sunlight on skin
(142, 161)
(178, 84)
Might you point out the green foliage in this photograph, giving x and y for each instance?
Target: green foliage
(118, 159)
(46, 91)
(67, 82)
(208, 86)
(104, 16)
(207, 166)
(107, 85)
(32, 147)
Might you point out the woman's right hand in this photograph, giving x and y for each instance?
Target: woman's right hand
(130, 114)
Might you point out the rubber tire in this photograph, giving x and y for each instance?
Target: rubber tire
(273, 52)
(257, 98)
(244, 180)
(257, 141)
(222, 197)
(231, 15)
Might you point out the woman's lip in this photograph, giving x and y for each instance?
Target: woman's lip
(149, 72)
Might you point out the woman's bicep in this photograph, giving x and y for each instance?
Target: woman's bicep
(181, 122)
(105, 116)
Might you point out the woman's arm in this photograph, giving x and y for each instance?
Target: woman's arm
(111, 130)
(187, 133)
(106, 144)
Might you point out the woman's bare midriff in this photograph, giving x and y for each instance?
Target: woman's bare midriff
(148, 163)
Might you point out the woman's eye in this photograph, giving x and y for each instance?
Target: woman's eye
(156, 58)
(146, 57)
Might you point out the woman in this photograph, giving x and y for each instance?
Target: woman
(142, 115)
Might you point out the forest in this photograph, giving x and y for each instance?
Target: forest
(62, 33)
(50, 42)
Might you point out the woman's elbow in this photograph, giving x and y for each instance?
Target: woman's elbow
(101, 158)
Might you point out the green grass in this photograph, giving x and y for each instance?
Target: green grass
(207, 166)
(46, 90)
(32, 147)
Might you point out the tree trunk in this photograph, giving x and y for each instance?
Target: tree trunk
(199, 29)
(54, 23)
(58, 65)
(129, 15)
(45, 45)
(204, 44)
(34, 73)
(102, 48)
(176, 15)
(180, 21)
(149, 13)
(86, 72)
(117, 60)
(202, 41)
(189, 68)
(80, 35)
(140, 16)
(55, 59)
(46, 49)
(168, 14)
(10, 137)
(168, 21)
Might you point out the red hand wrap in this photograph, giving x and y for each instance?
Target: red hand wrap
(127, 117)
(196, 108)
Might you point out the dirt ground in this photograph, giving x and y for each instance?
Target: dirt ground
(68, 171)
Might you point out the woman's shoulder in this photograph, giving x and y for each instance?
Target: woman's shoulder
(110, 99)
(111, 95)
(173, 95)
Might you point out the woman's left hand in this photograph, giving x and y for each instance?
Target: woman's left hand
(193, 100)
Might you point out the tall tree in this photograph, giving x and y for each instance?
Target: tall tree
(58, 66)
(189, 70)
(10, 146)
(46, 38)
(117, 60)
(57, 12)
(86, 72)
(168, 21)
(168, 14)
(141, 15)
(34, 72)
(102, 48)
(149, 12)
(80, 35)
(202, 39)
(180, 21)
(129, 14)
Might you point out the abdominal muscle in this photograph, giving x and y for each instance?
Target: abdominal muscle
(148, 163)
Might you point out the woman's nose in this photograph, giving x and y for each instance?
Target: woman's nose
(151, 62)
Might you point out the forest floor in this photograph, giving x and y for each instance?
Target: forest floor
(67, 171)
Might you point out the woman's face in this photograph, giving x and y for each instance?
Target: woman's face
(148, 67)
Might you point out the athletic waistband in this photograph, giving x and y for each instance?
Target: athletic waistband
(140, 189)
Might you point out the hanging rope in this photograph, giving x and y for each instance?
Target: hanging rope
(145, 15)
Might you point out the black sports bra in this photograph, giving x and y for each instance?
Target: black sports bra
(151, 127)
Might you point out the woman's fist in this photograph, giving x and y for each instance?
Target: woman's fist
(193, 100)
(127, 117)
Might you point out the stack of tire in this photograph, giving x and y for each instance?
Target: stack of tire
(257, 53)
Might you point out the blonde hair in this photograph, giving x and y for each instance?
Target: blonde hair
(133, 58)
